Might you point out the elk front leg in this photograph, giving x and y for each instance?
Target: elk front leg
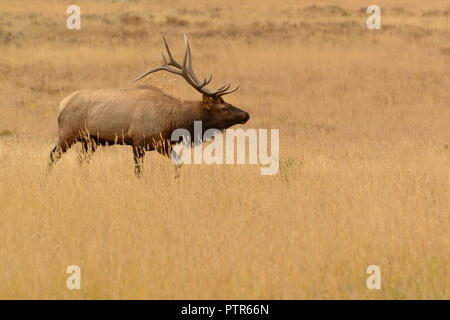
(87, 150)
(138, 155)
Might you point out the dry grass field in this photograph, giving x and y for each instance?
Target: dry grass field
(364, 119)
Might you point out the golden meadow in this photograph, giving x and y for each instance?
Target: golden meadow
(364, 156)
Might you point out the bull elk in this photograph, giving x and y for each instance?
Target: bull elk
(143, 117)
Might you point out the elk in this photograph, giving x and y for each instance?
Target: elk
(142, 117)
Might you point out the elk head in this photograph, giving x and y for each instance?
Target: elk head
(219, 114)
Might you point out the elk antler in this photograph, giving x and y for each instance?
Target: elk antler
(187, 72)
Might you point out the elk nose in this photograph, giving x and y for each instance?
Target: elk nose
(246, 117)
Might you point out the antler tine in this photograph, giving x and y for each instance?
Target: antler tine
(223, 88)
(164, 57)
(165, 67)
(166, 64)
(207, 80)
(188, 56)
(172, 61)
(186, 53)
(231, 91)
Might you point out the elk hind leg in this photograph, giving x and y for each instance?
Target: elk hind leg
(57, 152)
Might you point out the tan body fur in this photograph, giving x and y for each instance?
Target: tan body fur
(124, 116)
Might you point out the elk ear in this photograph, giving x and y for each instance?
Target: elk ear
(208, 102)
